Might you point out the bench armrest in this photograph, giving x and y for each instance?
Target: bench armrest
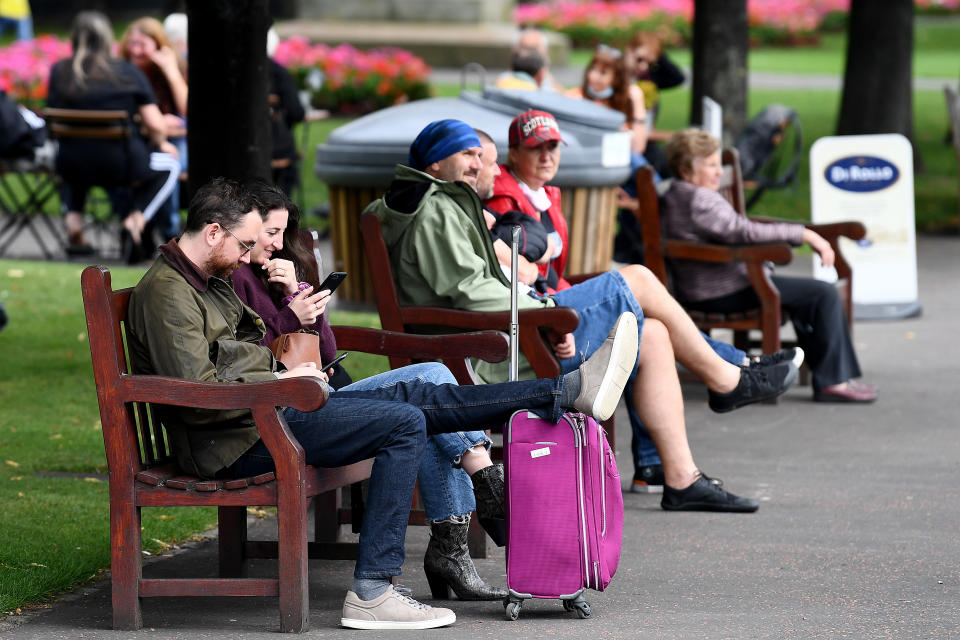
(778, 253)
(302, 393)
(486, 345)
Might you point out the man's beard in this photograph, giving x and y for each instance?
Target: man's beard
(216, 265)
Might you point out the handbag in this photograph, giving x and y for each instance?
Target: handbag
(293, 349)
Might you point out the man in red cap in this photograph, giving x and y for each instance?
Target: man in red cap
(442, 255)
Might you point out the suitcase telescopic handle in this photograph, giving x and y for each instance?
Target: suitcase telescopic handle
(514, 315)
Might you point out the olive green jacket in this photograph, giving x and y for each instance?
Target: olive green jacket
(441, 252)
(183, 323)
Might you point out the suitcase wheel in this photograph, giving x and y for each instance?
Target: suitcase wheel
(512, 609)
(578, 604)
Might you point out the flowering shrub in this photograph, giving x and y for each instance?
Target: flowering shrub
(349, 81)
(770, 21)
(25, 68)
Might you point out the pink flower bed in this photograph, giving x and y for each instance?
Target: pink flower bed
(347, 80)
(25, 68)
(770, 21)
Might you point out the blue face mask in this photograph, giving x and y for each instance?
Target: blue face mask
(605, 94)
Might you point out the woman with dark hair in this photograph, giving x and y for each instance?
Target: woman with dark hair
(607, 82)
(93, 79)
(456, 474)
(693, 210)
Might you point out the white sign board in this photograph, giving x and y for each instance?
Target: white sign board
(870, 179)
(712, 117)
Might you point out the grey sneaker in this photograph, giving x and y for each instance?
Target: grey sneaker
(391, 610)
(604, 374)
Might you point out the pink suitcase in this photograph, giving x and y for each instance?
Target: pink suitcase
(564, 510)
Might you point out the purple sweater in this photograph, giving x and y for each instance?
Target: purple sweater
(251, 290)
(698, 214)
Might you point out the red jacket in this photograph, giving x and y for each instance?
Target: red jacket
(507, 196)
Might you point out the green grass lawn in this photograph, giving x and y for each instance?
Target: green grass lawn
(55, 527)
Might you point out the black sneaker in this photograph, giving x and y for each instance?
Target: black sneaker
(648, 479)
(756, 384)
(705, 495)
(793, 354)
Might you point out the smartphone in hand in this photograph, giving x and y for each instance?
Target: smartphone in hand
(336, 360)
(332, 281)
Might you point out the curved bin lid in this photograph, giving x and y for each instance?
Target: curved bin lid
(363, 153)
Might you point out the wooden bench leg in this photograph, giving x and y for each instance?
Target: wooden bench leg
(476, 539)
(232, 540)
(293, 561)
(126, 567)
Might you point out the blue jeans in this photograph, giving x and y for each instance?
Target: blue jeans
(390, 424)
(445, 488)
(600, 301)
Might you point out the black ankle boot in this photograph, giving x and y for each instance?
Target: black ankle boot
(488, 491)
(448, 565)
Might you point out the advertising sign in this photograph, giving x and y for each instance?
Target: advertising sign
(870, 179)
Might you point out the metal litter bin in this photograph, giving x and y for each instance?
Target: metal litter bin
(357, 162)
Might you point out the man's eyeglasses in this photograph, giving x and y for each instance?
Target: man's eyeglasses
(246, 248)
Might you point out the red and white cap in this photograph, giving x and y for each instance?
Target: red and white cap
(532, 128)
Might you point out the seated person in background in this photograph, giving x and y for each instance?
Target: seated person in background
(442, 255)
(146, 45)
(285, 111)
(185, 320)
(522, 185)
(532, 38)
(528, 67)
(693, 210)
(93, 79)
(653, 71)
(280, 285)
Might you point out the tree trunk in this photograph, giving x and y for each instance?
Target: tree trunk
(228, 119)
(878, 80)
(720, 62)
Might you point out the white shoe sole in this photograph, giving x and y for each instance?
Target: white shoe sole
(798, 357)
(433, 623)
(623, 355)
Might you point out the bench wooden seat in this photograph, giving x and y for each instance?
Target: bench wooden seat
(143, 472)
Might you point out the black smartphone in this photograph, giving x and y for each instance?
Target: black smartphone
(332, 281)
(336, 360)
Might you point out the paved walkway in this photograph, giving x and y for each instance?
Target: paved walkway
(856, 536)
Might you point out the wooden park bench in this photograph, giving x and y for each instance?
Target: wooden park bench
(417, 319)
(143, 472)
(767, 319)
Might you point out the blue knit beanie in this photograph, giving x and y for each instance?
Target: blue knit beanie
(439, 139)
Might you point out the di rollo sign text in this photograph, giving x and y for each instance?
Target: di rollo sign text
(870, 179)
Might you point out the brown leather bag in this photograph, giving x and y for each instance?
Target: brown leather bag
(293, 349)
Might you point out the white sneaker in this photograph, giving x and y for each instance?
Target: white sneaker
(392, 610)
(604, 374)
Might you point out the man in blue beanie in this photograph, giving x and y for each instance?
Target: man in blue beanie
(442, 255)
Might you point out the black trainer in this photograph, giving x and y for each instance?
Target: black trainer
(648, 479)
(756, 384)
(793, 354)
(705, 495)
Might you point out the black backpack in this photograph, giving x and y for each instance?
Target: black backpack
(17, 138)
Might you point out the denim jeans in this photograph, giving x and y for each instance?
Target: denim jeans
(390, 424)
(600, 301)
(445, 488)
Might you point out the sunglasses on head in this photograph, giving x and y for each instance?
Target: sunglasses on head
(609, 51)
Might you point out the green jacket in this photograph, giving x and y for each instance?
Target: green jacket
(186, 324)
(441, 252)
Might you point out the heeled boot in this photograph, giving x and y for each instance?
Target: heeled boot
(488, 492)
(448, 566)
